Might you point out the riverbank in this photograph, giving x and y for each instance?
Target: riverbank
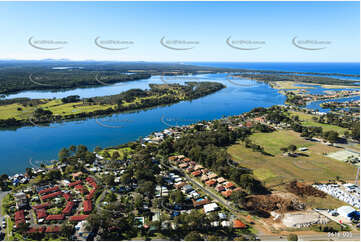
(42, 143)
(24, 112)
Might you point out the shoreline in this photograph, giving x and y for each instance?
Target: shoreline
(136, 110)
(106, 109)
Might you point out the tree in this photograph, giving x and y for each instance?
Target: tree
(138, 201)
(23, 227)
(284, 149)
(115, 155)
(238, 197)
(213, 238)
(193, 236)
(109, 180)
(29, 172)
(292, 237)
(63, 154)
(331, 136)
(106, 154)
(4, 177)
(177, 197)
(146, 187)
(72, 148)
(355, 130)
(292, 148)
(126, 178)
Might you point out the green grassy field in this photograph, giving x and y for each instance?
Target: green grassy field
(272, 142)
(120, 151)
(58, 108)
(306, 120)
(55, 106)
(272, 170)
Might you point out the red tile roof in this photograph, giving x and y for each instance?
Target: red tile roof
(55, 217)
(51, 195)
(81, 188)
(40, 213)
(36, 230)
(68, 207)
(237, 189)
(211, 182)
(249, 124)
(200, 203)
(51, 189)
(204, 171)
(229, 185)
(74, 183)
(87, 206)
(67, 196)
(91, 181)
(78, 217)
(183, 165)
(219, 188)
(53, 229)
(196, 173)
(213, 175)
(237, 224)
(90, 195)
(227, 193)
(42, 205)
(19, 215)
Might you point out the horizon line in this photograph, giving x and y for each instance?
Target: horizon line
(172, 61)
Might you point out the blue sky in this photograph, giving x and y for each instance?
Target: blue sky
(272, 25)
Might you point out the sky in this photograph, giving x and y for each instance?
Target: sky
(256, 31)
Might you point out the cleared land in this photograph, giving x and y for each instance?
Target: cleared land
(306, 120)
(21, 112)
(275, 170)
(272, 142)
(338, 86)
(342, 155)
(312, 166)
(289, 85)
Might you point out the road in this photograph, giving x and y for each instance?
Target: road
(205, 190)
(4, 216)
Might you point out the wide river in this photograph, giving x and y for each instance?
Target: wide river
(27, 146)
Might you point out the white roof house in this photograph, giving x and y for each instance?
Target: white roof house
(226, 223)
(222, 216)
(210, 207)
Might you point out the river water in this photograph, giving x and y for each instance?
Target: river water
(43, 143)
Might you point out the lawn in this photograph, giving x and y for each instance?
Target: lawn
(306, 120)
(11, 111)
(272, 170)
(272, 142)
(120, 151)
